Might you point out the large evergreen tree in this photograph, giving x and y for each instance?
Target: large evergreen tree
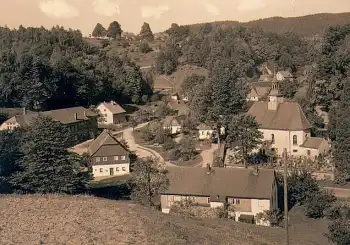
(9, 154)
(342, 133)
(47, 166)
(146, 32)
(99, 31)
(114, 30)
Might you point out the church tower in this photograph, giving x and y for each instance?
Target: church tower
(274, 97)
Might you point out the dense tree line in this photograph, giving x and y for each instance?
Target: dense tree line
(35, 160)
(48, 69)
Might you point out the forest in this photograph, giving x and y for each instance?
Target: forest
(49, 69)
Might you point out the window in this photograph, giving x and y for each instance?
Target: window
(104, 109)
(98, 159)
(308, 152)
(123, 157)
(95, 169)
(208, 200)
(116, 158)
(295, 140)
(273, 149)
(101, 170)
(272, 138)
(237, 201)
(117, 169)
(123, 168)
(295, 150)
(104, 159)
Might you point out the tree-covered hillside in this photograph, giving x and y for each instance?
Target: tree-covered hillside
(308, 26)
(47, 69)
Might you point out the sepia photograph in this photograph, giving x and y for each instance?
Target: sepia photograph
(158, 122)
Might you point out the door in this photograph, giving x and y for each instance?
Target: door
(111, 171)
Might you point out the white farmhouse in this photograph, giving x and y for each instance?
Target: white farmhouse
(112, 112)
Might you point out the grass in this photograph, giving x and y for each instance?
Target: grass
(78, 220)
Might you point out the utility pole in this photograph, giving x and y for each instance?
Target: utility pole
(285, 194)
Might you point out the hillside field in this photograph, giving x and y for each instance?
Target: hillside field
(85, 220)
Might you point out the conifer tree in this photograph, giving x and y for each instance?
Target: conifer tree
(342, 133)
(47, 166)
(146, 32)
(114, 30)
(99, 31)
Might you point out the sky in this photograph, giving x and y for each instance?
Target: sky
(84, 14)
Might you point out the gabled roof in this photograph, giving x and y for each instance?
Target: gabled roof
(203, 126)
(288, 116)
(286, 74)
(265, 78)
(64, 116)
(225, 182)
(106, 139)
(173, 120)
(114, 107)
(313, 142)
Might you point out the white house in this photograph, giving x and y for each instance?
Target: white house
(108, 156)
(285, 125)
(173, 123)
(249, 191)
(206, 132)
(112, 112)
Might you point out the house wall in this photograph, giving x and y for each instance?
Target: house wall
(205, 134)
(99, 158)
(104, 170)
(173, 129)
(9, 126)
(284, 139)
(253, 98)
(106, 114)
(119, 118)
(246, 206)
(313, 153)
(279, 77)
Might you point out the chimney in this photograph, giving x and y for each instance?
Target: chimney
(76, 116)
(256, 170)
(208, 168)
(24, 111)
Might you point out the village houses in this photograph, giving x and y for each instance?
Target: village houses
(81, 122)
(249, 191)
(173, 123)
(108, 156)
(112, 113)
(284, 125)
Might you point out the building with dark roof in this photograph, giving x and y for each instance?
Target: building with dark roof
(249, 191)
(112, 113)
(81, 122)
(285, 125)
(108, 156)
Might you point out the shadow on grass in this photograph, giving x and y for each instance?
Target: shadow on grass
(113, 190)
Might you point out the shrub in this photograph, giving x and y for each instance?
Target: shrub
(169, 144)
(144, 47)
(317, 204)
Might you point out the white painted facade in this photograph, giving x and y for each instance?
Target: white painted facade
(257, 206)
(205, 134)
(284, 139)
(9, 125)
(173, 129)
(106, 170)
(106, 114)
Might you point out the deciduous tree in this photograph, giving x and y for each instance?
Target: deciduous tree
(146, 32)
(149, 179)
(114, 30)
(99, 31)
(243, 136)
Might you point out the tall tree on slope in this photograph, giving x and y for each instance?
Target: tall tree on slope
(47, 166)
(342, 133)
